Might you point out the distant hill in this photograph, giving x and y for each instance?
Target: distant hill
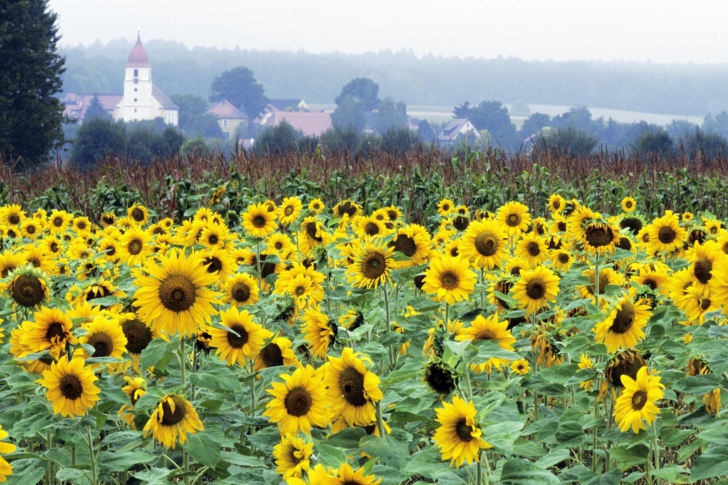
(680, 89)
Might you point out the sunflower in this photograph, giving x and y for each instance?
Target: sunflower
(108, 219)
(556, 204)
(244, 339)
(629, 204)
(346, 208)
(445, 207)
(12, 215)
(636, 403)
(562, 260)
(521, 367)
(666, 234)
(134, 246)
(172, 296)
(624, 325)
(5, 468)
(239, 290)
(289, 210)
(449, 279)
(279, 351)
(490, 328)
(50, 331)
(135, 388)
(372, 265)
(171, 420)
(259, 221)
(585, 362)
(696, 303)
(413, 241)
(299, 402)
(139, 214)
(514, 217)
(346, 475)
(484, 243)
(532, 248)
(81, 225)
(599, 238)
(607, 276)
(218, 262)
(459, 436)
(440, 377)
(71, 387)
(214, 236)
(106, 336)
(30, 228)
(292, 456)
(536, 287)
(370, 227)
(59, 221)
(351, 388)
(28, 287)
(704, 258)
(318, 332)
(316, 206)
(280, 244)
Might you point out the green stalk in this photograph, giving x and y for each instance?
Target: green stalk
(656, 448)
(182, 365)
(594, 431)
(49, 468)
(380, 421)
(92, 457)
(479, 473)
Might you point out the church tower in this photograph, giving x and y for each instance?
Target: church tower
(137, 101)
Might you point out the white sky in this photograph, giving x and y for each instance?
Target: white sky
(636, 30)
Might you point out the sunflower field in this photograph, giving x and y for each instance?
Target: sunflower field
(301, 341)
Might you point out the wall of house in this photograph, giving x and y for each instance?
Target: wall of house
(232, 125)
(137, 103)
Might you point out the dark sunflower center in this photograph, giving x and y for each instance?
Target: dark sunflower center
(461, 223)
(237, 341)
(259, 221)
(705, 304)
(486, 244)
(311, 230)
(58, 221)
(371, 229)
(624, 319)
(137, 335)
(535, 290)
(81, 225)
(214, 264)
(300, 290)
(137, 214)
(278, 245)
(486, 335)
(561, 226)
(639, 399)
(351, 385)
(55, 332)
(271, 355)
(27, 290)
(373, 266)
(533, 249)
(347, 208)
(513, 220)
(449, 280)
(30, 229)
(102, 344)
(288, 210)
(298, 402)
(107, 219)
(650, 283)
(556, 205)
(563, 258)
(702, 270)
(14, 219)
(70, 387)
(177, 293)
(240, 292)
(625, 243)
(463, 430)
(666, 235)
(169, 417)
(213, 239)
(135, 247)
(405, 245)
(439, 379)
(54, 247)
(631, 223)
(598, 236)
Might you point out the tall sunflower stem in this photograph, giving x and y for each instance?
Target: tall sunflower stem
(656, 448)
(49, 470)
(596, 281)
(186, 466)
(594, 432)
(182, 361)
(479, 473)
(92, 456)
(468, 382)
(257, 267)
(380, 420)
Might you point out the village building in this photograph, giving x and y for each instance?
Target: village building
(228, 117)
(458, 127)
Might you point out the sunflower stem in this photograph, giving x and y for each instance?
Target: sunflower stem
(656, 451)
(49, 469)
(257, 267)
(596, 281)
(182, 360)
(479, 473)
(91, 456)
(594, 432)
(380, 421)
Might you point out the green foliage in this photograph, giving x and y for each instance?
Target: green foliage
(96, 110)
(571, 141)
(193, 119)
(97, 139)
(349, 115)
(278, 139)
(363, 90)
(654, 143)
(239, 86)
(390, 116)
(30, 113)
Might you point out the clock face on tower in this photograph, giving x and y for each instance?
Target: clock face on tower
(136, 80)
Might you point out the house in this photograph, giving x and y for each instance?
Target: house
(288, 104)
(457, 127)
(141, 99)
(228, 117)
(311, 123)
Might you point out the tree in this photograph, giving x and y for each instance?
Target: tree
(240, 87)
(97, 139)
(653, 142)
(462, 111)
(349, 115)
(193, 118)
(533, 124)
(96, 110)
(520, 108)
(493, 116)
(281, 138)
(571, 141)
(706, 145)
(363, 90)
(425, 131)
(390, 116)
(399, 140)
(678, 129)
(578, 117)
(31, 117)
(717, 125)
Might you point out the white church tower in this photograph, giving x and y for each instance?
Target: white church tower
(142, 100)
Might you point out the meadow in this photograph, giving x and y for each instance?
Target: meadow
(336, 319)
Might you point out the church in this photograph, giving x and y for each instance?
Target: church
(142, 100)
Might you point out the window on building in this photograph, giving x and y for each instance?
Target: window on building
(135, 100)
(136, 72)
(224, 123)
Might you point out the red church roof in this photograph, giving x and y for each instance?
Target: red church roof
(138, 56)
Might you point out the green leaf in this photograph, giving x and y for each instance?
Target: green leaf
(553, 458)
(559, 374)
(614, 477)
(503, 435)
(569, 434)
(388, 450)
(158, 354)
(521, 472)
(427, 463)
(241, 460)
(222, 380)
(697, 385)
(490, 349)
(204, 447)
(629, 457)
(719, 362)
(330, 455)
(712, 463)
(121, 461)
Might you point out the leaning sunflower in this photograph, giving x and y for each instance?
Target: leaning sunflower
(299, 402)
(351, 388)
(28, 287)
(289, 210)
(372, 266)
(318, 332)
(292, 456)
(624, 325)
(279, 351)
(636, 403)
(666, 233)
(71, 387)
(514, 218)
(135, 388)
(171, 420)
(346, 475)
(488, 329)
(50, 331)
(449, 279)
(259, 220)
(459, 436)
(536, 287)
(484, 244)
(172, 296)
(106, 336)
(244, 339)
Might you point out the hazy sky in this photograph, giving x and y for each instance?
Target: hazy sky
(638, 30)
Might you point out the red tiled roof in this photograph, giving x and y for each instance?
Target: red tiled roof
(77, 104)
(311, 123)
(225, 109)
(138, 56)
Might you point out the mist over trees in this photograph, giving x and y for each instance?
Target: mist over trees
(681, 89)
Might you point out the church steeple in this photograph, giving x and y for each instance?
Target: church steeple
(138, 56)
